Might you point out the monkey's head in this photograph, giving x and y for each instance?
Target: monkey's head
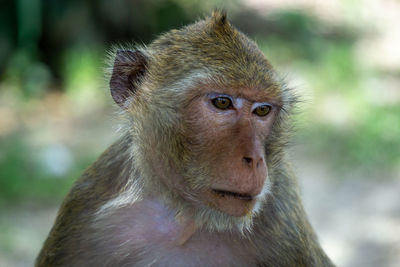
(207, 115)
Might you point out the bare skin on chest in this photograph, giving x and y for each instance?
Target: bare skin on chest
(150, 226)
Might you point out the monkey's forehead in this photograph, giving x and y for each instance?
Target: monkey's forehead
(214, 46)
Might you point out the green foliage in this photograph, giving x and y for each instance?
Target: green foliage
(82, 69)
(371, 146)
(24, 178)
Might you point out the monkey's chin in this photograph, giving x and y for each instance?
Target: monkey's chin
(220, 217)
(231, 203)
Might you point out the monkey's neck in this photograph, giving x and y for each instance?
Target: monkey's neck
(185, 221)
(188, 229)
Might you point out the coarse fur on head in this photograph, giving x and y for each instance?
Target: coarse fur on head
(155, 87)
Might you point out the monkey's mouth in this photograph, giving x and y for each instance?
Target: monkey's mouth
(240, 196)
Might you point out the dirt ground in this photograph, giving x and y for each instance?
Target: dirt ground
(357, 220)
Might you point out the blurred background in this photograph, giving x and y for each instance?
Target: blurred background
(56, 114)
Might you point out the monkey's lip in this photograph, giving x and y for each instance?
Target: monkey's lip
(240, 196)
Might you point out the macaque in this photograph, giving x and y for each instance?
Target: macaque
(200, 176)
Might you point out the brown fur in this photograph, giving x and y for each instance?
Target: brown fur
(142, 203)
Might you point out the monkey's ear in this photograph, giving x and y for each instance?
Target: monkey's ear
(129, 67)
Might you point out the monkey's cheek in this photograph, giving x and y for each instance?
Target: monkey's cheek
(231, 205)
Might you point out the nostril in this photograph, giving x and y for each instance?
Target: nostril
(247, 160)
(259, 163)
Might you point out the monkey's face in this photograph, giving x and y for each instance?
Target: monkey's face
(226, 131)
(202, 102)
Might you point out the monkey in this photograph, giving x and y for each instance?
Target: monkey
(200, 177)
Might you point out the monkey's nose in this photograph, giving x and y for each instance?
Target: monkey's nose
(249, 161)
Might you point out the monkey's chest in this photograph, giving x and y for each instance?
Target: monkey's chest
(196, 252)
(149, 236)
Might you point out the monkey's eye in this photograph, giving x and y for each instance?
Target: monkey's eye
(262, 110)
(222, 102)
